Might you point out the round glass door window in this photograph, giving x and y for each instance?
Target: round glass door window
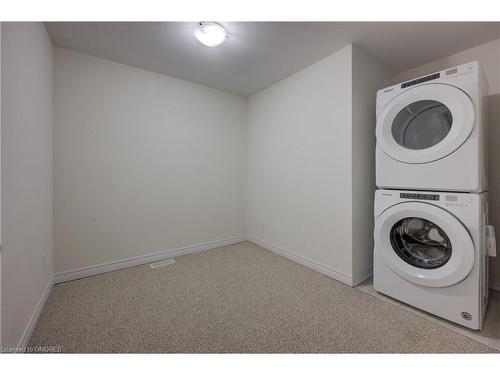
(422, 124)
(420, 243)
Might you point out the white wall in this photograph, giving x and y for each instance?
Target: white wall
(367, 77)
(26, 174)
(0, 184)
(142, 162)
(311, 145)
(488, 55)
(298, 163)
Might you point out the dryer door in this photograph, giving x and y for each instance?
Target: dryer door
(425, 123)
(424, 244)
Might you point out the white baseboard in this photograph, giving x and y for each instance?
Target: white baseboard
(79, 273)
(309, 263)
(494, 284)
(28, 331)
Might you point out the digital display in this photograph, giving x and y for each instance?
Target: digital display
(427, 197)
(420, 80)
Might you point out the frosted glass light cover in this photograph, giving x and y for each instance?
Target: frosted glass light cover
(210, 34)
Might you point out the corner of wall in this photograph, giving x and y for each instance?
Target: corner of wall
(368, 75)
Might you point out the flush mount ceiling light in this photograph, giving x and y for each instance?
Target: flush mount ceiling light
(210, 34)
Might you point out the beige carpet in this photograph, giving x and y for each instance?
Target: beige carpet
(238, 298)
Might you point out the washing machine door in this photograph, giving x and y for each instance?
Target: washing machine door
(424, 244)
(425, 123)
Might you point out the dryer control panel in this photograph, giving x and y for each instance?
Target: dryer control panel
(458, 76)
(421, 80)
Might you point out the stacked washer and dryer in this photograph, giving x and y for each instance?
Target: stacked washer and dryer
(432, 235)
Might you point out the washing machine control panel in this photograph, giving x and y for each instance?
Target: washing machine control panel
(420, 196)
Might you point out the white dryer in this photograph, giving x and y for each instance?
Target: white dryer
(431, 132)
(430, 252)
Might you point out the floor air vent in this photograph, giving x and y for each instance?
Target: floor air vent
(162, 263)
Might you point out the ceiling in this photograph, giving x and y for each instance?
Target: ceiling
(259, 54)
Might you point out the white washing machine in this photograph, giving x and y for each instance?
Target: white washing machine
(431, 132)
(430, 252)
